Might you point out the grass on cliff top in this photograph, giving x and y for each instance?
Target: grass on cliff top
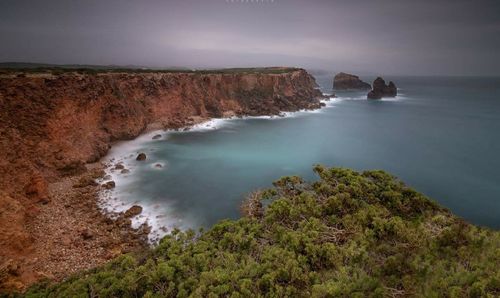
(26, 68)
(348, 234)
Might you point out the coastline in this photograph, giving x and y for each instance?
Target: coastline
(124, 152)
(73, 222)
(120, 165)
(48, 153)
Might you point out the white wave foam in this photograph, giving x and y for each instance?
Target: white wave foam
(363, 98)
(211, 124)
(357, 97)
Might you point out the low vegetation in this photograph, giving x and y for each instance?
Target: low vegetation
(27, 68)
(348, 234)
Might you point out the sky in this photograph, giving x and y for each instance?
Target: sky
(412, 37)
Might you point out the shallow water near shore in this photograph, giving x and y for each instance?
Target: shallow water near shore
(440, 136)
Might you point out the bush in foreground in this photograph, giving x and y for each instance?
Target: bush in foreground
(347, 235)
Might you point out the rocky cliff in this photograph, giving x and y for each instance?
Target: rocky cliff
(51, 125)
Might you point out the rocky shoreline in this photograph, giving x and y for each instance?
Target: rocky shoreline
(119, 166)
(55, 128)
(74, 224)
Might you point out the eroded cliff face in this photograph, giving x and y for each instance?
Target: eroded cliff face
(50, 126)
(57, 122)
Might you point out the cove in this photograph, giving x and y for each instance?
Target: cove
(440, 136)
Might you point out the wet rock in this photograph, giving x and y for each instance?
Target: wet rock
(133, 211)
(380, 89)
(391, 89)
(125, 171)
(109, 185)
(156, 137)
(159, 166)
(141, 156)
(119, 166)
(345, 81)
(374, 95)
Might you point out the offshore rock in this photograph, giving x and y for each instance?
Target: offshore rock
(380, 89)
(141, 157)
(345, 81)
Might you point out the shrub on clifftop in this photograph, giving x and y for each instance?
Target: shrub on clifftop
(348, 234)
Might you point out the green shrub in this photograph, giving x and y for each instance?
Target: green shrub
(349, 234)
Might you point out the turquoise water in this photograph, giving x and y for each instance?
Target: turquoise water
(441, 136)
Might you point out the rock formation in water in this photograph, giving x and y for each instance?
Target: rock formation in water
(51, 125)
(345, 81)
(380, 89)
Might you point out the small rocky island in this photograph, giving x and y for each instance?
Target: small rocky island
(380, 89)
(345, 81)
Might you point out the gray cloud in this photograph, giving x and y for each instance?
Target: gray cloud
(391, 36)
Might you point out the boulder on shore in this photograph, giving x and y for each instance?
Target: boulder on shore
(345, 81)
(133, 211)
(141, 156)
(109, 185)
(380, 89)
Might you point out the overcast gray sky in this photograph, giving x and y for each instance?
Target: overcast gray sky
(374, 36)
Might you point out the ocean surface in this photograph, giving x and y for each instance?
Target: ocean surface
(440, 135)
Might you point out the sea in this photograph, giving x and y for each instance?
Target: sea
(440, 135)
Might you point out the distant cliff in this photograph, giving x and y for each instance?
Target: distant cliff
(51, 123)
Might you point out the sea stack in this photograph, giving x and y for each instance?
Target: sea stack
(380, 89)
(345, 81)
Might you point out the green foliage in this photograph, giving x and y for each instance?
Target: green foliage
(349, 234)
